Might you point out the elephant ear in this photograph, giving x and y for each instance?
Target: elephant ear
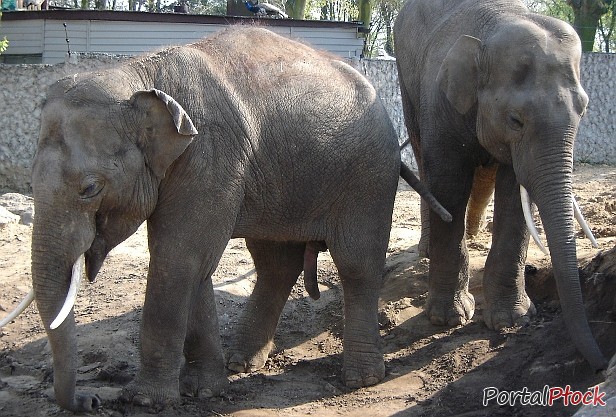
(459, 73)
(166, 129)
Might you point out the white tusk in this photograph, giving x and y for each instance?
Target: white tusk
(72, 293)
(529, 219)
(580, 218)
(20, 308)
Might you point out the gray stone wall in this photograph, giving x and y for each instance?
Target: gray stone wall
(23, 92)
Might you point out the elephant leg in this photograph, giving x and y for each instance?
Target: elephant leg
(278, 265)
(449, 301)
(176, 283)
(481, 193)
(410, 115)
(311, 255)
(163, 330)
(360, 266)
(423, 247)
(203, 373)
(507, 303)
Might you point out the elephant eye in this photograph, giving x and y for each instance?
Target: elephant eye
(515, 121)
(90, 190)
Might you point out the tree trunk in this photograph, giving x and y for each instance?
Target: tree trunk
(365, 15)
(296, 9)
(587, 14)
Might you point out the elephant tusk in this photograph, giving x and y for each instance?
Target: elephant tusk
(72, 293)
(580, 218)
(20, 308)
(529, 219)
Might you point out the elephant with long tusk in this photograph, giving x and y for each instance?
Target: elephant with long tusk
(530, 223)
(297, 157)
(488, 84)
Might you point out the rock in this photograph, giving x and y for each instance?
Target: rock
(608, 387)
(599, 277)
(7, 217)
(20, 205)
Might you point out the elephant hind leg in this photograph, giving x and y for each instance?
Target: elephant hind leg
(360, 265)
(278, 265)
(481, 193)
(311, 253)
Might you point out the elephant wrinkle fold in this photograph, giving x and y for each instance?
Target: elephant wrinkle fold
(489, 81)
(288, 148)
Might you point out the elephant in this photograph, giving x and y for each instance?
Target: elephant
(488, 85)
(284, 146)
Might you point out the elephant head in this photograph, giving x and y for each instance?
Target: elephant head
(521, 87)
(94, 183)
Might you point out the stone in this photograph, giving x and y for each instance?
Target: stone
(7, 217)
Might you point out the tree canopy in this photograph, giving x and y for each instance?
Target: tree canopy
(594, 20)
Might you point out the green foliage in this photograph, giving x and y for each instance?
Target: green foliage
(4, 43)
(555, 8)
(296, 9)
(592, 19)
(339, 10)
(381, 39)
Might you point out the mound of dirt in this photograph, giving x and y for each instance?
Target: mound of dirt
(431, 371)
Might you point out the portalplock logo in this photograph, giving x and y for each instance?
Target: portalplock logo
(546, 397)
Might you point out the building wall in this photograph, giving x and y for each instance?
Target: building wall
(23, 92)
(44, 33)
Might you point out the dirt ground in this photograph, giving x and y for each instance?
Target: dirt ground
(431, 371)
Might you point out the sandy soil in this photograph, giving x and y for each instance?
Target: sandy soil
(431, 371)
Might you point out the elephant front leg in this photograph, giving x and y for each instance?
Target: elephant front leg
(169, 291)
(278, 264)
(507, 303)
(449, 301)
(163, 329)
(203, 373)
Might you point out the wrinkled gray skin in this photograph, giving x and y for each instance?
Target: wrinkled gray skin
(487, 82)
(292, 147)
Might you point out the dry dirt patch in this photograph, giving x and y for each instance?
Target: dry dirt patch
(431, 371)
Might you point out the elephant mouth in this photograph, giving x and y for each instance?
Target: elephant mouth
(95, 256)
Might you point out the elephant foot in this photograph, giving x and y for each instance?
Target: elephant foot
(445, 310)
(82, 403)
(358, 372)
(249, 360)
(509, 314)
(147, 395)
(198, 380)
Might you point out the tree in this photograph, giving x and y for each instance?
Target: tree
(4, 43)
(587, 16)
(296, 9)
(365, 15)
(599, 33)
(607, 24)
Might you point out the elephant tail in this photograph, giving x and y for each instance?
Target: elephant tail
(421, 188)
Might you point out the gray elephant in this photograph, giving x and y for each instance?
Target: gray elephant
(281, 145)
(486, 82)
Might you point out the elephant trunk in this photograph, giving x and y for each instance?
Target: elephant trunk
(553, 199)
(51, 273)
